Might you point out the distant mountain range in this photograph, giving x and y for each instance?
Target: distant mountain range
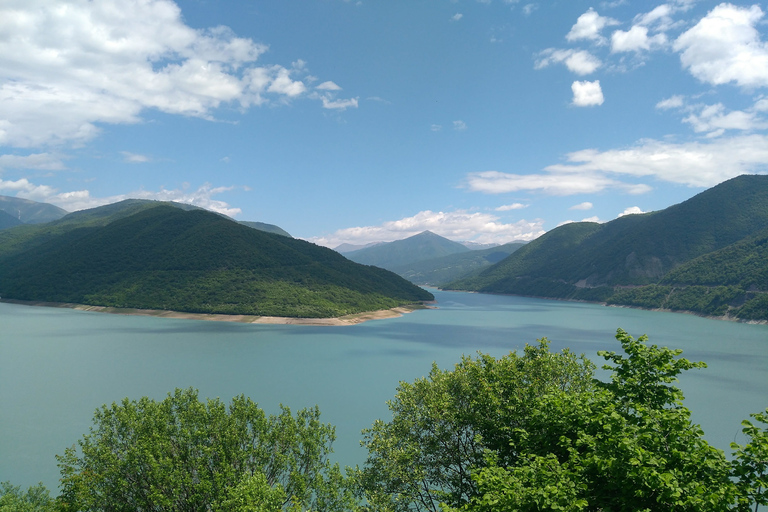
(430, 259)
(704, 255)
(152, 255)
(26, 211)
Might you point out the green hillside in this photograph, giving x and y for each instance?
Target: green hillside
(8, 221)
(627, 260)
(163, 257)
(437, 271)
(30, 212)
(269, 228)
(400, 253)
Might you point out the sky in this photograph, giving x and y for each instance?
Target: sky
(346, 121)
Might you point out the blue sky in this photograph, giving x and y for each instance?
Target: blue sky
(373, 120)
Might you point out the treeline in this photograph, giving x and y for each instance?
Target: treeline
(531, 431)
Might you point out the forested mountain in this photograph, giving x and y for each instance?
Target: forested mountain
(608, 262)
(8, 221)
(269, 228)
(424, 246)
(163, 257)
(437, 271)
(30, 212)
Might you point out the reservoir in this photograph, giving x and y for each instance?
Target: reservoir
(58, 365)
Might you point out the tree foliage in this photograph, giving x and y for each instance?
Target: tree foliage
(185, 454)
(443, 424)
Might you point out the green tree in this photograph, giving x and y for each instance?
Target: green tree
(184, 454)
(627, 445)
(35, 499)
(442, 425)
(750, 465)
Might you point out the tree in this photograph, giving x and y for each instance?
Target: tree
(443, 425)
(35, 499)
(750, 466)
(184, 454)
(627, 445)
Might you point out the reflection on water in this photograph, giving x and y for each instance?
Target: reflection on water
(57, 366)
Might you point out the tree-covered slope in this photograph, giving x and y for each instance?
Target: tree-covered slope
(591, 261)
(163, 257)
(262, 226)
(445, 269)
(424, 246)
(8, 221)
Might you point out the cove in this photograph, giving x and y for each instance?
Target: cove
(57, 365)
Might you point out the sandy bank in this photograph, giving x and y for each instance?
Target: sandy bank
(245, 319)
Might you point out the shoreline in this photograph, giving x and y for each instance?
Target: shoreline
(353, 319)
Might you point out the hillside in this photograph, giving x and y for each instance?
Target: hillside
(437, 271)
(269, 228)
(391, 255)
(30, 212)
(600, 262)
(163, 257)
(8, 221)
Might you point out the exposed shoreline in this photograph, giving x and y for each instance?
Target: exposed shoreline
(353, 319)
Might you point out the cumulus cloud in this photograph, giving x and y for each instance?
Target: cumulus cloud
(632, 210)
(587, 94)
(580, 62)
(457, 16)
(582, 206)
(636, 39)
(459, 125)
(82, 199)
(588, 26)
(513, 206)
(339, 104)
(436, 127)
(715, 119)
(725, 47)
(328, 86)
(456, 225)
(69, 68)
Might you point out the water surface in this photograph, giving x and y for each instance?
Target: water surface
(58, 365)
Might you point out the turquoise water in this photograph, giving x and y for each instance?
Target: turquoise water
(57, 366)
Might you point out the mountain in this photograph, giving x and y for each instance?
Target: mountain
(590, 261)
(30, 212)
(269, 228)
(164, 257)
(438, 271)
(8, 221)
(345, 248)
(424, 246)
(26, 237)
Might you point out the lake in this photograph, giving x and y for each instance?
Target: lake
(58, 365)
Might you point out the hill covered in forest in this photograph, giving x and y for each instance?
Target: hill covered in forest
(157, 256)
(703, 255)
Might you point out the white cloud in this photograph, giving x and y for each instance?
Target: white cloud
(134, 158)
(582, 206)
(556, 184)
(725, 46)
(580, 62)
(38, 161)
(67, 67)
(636, 39)
(676, 101)
(456, 225)
(696, 164)
(82, 199)
(513, 206)
(328, 86)
(632, 210)
(587, 94)
(588, 26)
(459, 125)
(436, 127)
(529, 8)
(339, 104)
(457, 16)
(715, 120)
